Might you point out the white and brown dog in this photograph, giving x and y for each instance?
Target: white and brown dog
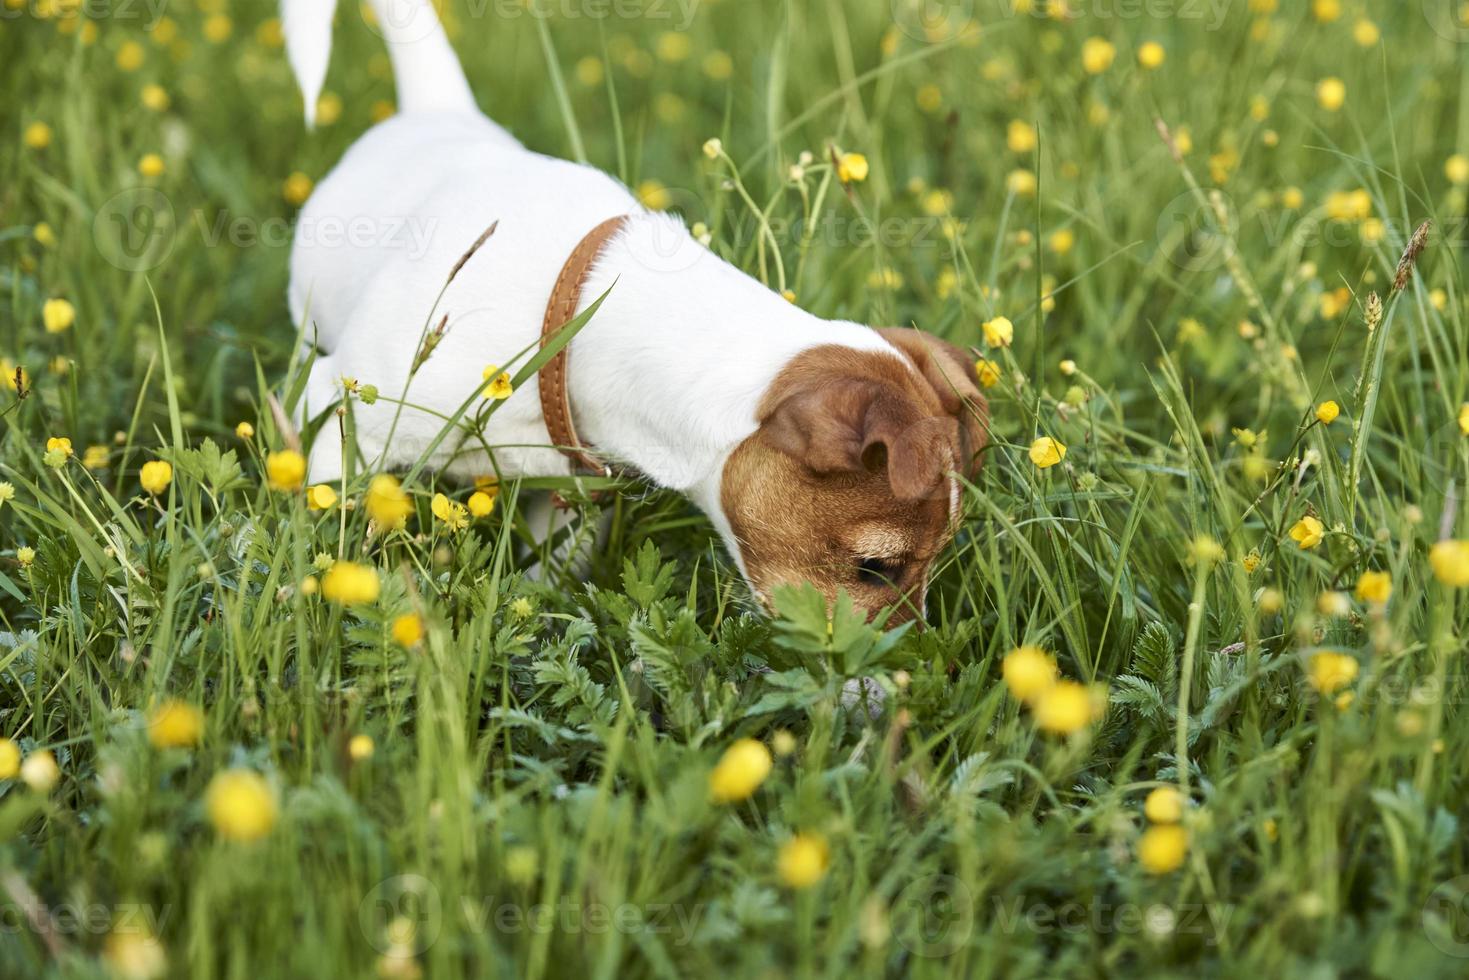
(822, 451)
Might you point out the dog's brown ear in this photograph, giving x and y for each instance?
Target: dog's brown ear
(951, 374)
(852, 424)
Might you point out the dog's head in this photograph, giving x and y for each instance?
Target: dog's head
(849, 481)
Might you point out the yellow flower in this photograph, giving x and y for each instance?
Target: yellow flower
(321, 497)
(387, 503)
(44, 234)
(130, 56)
(1021, 183)
(988, 373)
(521, 608)
(350, 584)
(134, 953)
(1097, 54)
(1374, 587)
(285, 470)
(481, 504)
(1450, 562)
(452, 513)
(154, 97)
(739, 772)
(1251, 561)
(654, 195)
(713, 147)
(803, 860)
(96, 457)
(1061, 240)
(57, 315)
(241, 805)
(1292, 199)
(1164, 805)
(408, 630)
(37, 136)
(1349, 205)
(1162, 847)
(175, 725)
(328, 108)
(1329, 672)
(1308, 532)
(1456, 169)
(1331, 93)
(245, 430)
(296, 189)
(155, 476)
(217, 28)
(360, 747)
(151, 165)
(673, 46)
(1151, 55)
(25, 555)
(851, 168)
(718, 65)
(1326, 11)
(40, 772)
(999, 332)
(1020, 136)
(1365, 33)
(783, 743)
(1046, 452)
(9, 759)
(60, 445)
(1064, 708)
(1327, 412)
(1028, 672)
(499, 387)
(1464, 418)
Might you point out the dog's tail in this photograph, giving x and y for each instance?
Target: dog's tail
(427, 71)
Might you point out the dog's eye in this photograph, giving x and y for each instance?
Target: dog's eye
(878, 571)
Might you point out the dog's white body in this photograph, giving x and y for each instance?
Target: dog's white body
(665, 377)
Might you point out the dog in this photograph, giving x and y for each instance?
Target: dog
(822, 451)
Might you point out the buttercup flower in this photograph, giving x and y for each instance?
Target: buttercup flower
(1374, 587)
(26, 555)
(175, 724)
(154, 97)
(321, 497)
(1162, 848)
(1164, 805)
(1331, 93)
(1329, 672)
(1308, 532)
(452, 513)
(155, 476)
(1046, 452)
(96, 457)
(803, 860)
(1464, 418)
(296, 189)
(360, 747)
(1020, 136)
(713, 147)
(1021, 183)
(1028, 672)
(57, 315)
(1061, 240)
(1151, 55)
(1456, 169)
(387, 502)
(134, 953)
(408, 630)
(245, 430)
(37, 136)
(499, 387)
(285, 470)
(481, 503)
(999, 332)
(1097, 54)
(350, 584)
(241, 805)
(987, 372)
(9, 759)
(1327, 412)
(1064, 708)
(44, 234)
(40, 772)
(151, 165)
(1450, 562)
(7, 492)
(740, 771)
(851, 168)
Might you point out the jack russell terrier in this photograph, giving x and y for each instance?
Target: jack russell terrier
(823, 451)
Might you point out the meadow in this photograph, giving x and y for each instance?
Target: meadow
(1191, 695)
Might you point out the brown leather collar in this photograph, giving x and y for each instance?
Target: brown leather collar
(560, 309)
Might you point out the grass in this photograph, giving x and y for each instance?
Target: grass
(537, 797)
